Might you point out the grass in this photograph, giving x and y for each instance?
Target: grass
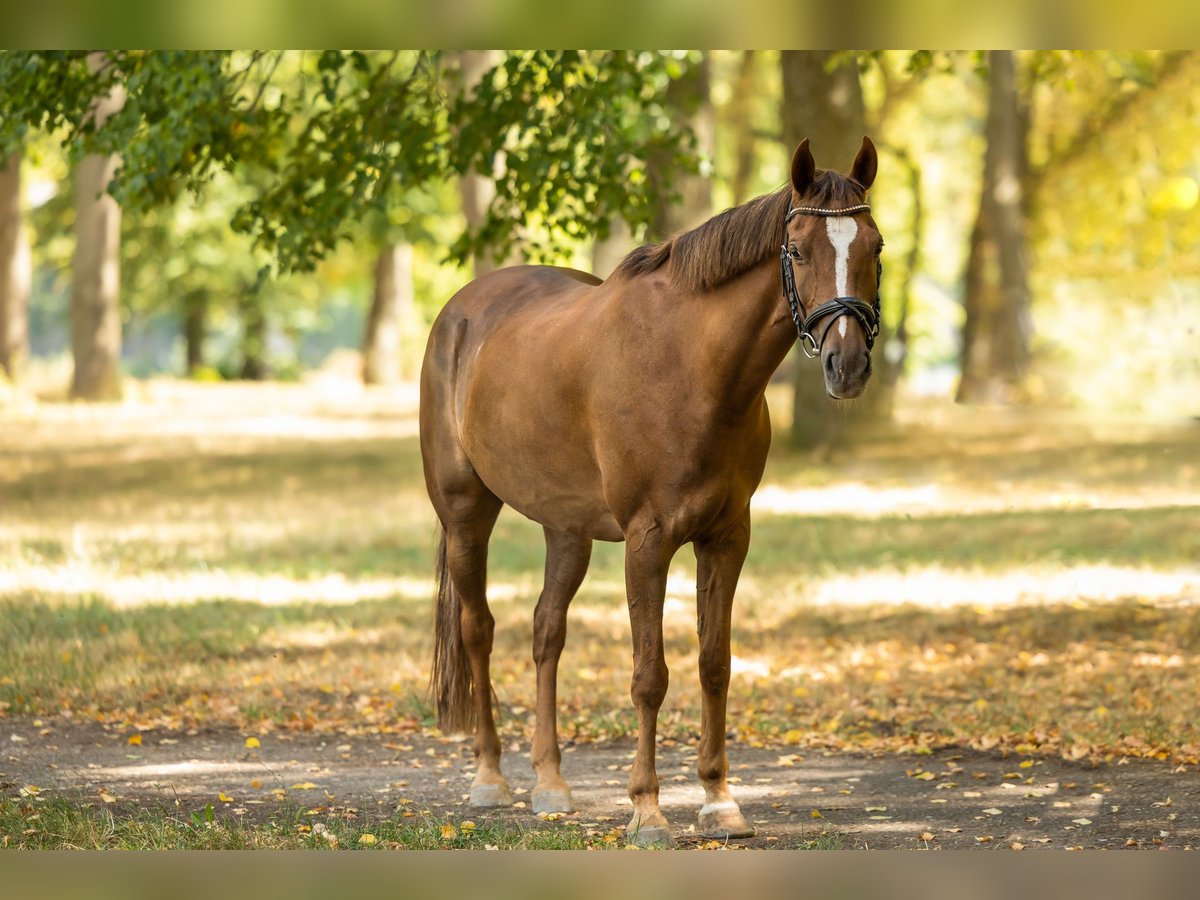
(62, 825)
(261, 557)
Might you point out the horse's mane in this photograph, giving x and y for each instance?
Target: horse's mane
(736, 240)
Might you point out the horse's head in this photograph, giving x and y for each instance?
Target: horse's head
(833, 251)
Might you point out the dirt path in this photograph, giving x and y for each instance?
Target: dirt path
(948, 799)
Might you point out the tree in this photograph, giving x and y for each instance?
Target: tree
(391, 306)
(997, 329)
(477, 189)
(690, 94)
(14, 271)
(324, 140)
(741, 120)
(996, 353)
(95, 315)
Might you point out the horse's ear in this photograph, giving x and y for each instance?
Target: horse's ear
(866, 164)
(804, 168)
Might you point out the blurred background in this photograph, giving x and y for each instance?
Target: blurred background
(281, 213)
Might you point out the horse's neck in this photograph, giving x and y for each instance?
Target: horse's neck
(747, 333)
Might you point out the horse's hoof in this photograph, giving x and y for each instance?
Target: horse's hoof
(552, 800)
(651, 836)
(490, 796)
(724, 821)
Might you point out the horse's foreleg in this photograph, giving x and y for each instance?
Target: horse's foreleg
(567, 558)
(718, 564)
(466, 557)
(646, 561)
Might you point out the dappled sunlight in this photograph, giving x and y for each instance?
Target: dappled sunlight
(938, 587)
(865, 500)
(81, 580)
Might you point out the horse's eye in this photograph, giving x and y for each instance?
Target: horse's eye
(795, 254)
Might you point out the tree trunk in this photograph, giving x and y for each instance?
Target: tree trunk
(254, 335)
(997, 329)
(827, 107)
(478, 190)
(390, 308)
(96, 268)
(195, 329)
(741, 120)
(898, 360)
(690, 95)
(14, 273)
(611, 250)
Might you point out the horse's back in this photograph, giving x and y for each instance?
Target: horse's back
(509, 291)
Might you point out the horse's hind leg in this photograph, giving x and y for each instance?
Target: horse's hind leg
(567, 558)
(466, 559)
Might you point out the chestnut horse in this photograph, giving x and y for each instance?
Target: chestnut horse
(633, 410)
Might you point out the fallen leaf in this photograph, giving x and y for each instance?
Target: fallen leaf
(927, 836)
(449, 832)
(135, 740)
(367, 839)
(107, 797)
(1082, 821)
(468, 825)
(252, 743)
(984, 838)
(1017, 845)
(304, 786)
(224, 798)
(992, 811)
(816, 814)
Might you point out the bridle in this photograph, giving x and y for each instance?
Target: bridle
(867, 314)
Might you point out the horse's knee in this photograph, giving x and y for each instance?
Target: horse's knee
(649, 686)
(714, 672)
(549, 633)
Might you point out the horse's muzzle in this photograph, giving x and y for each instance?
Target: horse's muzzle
(846, 374)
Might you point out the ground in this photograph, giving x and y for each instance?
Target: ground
(950, 799)
(216, 606)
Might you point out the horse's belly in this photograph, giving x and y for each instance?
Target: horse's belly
(548, 494)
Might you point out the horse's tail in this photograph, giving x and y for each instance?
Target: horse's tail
(450, 680)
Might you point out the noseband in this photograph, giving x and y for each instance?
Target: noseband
(867, 314)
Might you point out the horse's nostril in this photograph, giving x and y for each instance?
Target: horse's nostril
(831, 364)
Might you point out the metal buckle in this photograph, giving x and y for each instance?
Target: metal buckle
(807, 341)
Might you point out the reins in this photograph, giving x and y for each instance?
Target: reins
(867, 314)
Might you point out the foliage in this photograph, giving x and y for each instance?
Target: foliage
(324, 138)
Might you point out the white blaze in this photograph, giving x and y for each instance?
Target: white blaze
(841, 234)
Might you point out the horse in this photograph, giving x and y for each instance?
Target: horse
(633, 409)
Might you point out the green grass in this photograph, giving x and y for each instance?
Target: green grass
(62, 825)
